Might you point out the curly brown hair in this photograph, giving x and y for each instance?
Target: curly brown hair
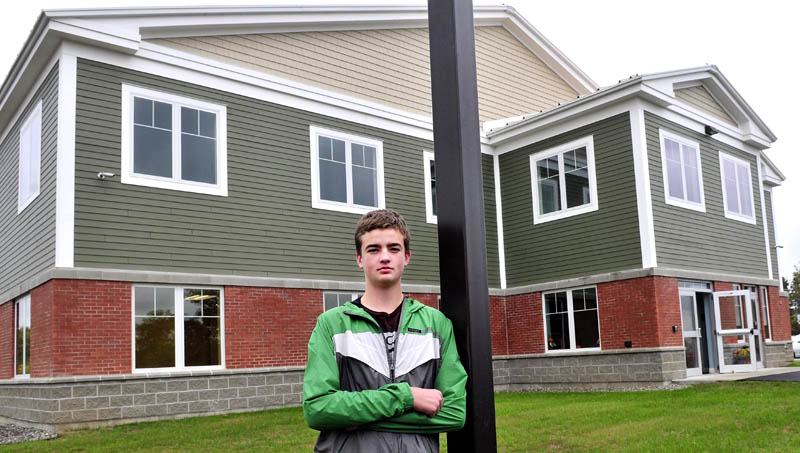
(380, 219)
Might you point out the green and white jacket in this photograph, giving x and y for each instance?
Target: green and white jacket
(354, 378)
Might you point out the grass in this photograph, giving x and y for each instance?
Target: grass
(731, 416)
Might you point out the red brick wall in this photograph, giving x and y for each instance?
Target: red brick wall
(497, 319)
(269, 326)
(7, 340)
(639, 310)
(80, 327)
(525, 323)
(779, 315)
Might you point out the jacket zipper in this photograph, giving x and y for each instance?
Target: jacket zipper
(391, 362)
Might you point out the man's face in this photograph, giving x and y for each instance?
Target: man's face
(383, 257)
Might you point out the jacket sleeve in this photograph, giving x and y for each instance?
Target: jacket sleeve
(451, 381)
(327, 407)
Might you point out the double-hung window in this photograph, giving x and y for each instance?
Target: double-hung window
(765, 313)
(177, 328)
(30, 156)
(683, 176)
(173, 142)
(22, 338)
(737, 188)
(430, 186)
(346, 171)
(571, 320)
(333, 299)
(563, 180)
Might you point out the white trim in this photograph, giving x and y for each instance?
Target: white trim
(28, 97)
(765, 305)
(564, 212)
(735, 215)
(65, 161)
(775, 272)
(427, 158)
(350, 206)
(501, 247)
(571, 320)
(644, 200)
(682, 141)
(26, 154)
(772, 272)
(178, 316)
(175, 182)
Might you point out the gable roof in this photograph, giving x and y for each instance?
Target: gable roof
(660, 88)
(125, 29)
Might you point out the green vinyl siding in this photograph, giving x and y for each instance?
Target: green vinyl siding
(771, 231)
(27, 239)
(605, 240)
(705, 241)
(265, 226)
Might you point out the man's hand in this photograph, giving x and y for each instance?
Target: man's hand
(427, 401)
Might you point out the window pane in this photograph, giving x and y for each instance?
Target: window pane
(549, 195)
(165, 301)
(142, 111)
(192, 302)
(590, 298)
(20, 353)
(357, 154)
(211, 302)
(577, 300)
(576, 178)
(152, 151)
(325, 148)
(674, 179)
(687, 313)
(743, 177)
(198, 159)
(731, 192)
(189, 120)
(692, 174)
(144, 301)
(369, 157)
(201, 341)
(557, 331)
(208, 124)
(365, 187)
(338, 150)
(587, 334)
(155, 342)
(330, 300)
(332, 183)
(162, 115)
(433, 187)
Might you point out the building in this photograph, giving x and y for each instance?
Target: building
(180, 187)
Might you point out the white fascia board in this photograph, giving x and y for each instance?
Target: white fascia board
(772, 174)
(121, 39)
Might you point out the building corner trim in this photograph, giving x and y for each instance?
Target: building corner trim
(764, 218)
(644, 200)
(65, 161)
(498, 202)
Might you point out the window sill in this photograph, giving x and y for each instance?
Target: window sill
(218, 190)
(21, 206)
(685, 204)
(740, 218)
(333, 206)
(571, 351)
(539, 219)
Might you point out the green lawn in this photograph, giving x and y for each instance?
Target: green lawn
(733, 416)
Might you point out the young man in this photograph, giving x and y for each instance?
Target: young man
(383, 372)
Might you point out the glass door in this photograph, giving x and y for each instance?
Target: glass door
(692, 333)
(735, 334)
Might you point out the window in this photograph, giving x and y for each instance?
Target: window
(30, 156)
(337, 299)
(563, 181)
(22, 338)
(737, 192)
(177, 328)
(571, 320)
(172, 142)
(346, 172)
(430, 186)
(765, 312)
(683, 178)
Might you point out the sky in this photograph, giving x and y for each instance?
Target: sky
(754, 44)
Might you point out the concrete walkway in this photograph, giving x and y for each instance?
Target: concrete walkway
(764, 374)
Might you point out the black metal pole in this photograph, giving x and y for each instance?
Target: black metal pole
(459, 193)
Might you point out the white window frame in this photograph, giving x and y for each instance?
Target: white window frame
(565, 212)
(24, 300)
(349, 206)
(427, 158)
(766, 321)
(353, 296)
(682, 141)
(571, 318)
(179, 351)
(30, 158)
(127, 176)
(737, 162)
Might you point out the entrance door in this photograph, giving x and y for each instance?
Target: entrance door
(691, 334)
(735, 337)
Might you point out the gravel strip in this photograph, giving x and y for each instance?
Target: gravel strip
(10, 434)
